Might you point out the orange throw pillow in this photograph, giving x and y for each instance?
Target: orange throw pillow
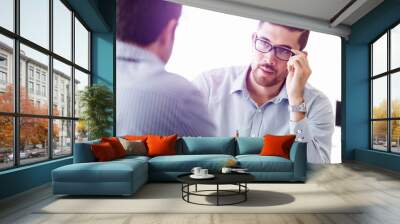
(116, 145)
(103, 152)
(136, 137)
(277, 145)
(161, 145)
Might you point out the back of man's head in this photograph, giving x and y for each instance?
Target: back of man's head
(141, 22)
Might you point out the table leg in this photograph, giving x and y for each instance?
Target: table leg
(188, 192)
(182, 188)
(217, 194)
(245, 193)
(196, 188)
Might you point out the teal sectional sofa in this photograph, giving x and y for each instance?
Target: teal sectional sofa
(125, 176)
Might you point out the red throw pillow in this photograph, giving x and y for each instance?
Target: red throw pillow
(161, 145)
(103, 152)
(277, 145)
(116, 145)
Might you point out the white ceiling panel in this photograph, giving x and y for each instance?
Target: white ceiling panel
(321, 9)
(326, 16)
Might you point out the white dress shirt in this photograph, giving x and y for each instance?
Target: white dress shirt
(151, 100)
(233, 110)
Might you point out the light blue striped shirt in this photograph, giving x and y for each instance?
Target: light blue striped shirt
(151, 100)
(233, 110)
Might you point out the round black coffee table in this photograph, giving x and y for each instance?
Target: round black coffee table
(238, 179)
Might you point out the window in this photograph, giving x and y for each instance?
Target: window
(33, 149)
(62, 74)
(62, 137)
(62, 29)
(395, 47)
(44, 131)
(385, 91)
(3, 61)
(38, 89)
(6, 142)
(30, 87)
(6, 74)
(34, 21)
(30, 72)
(81, 81)
(3, 72)
(7, 14)
(3, 78)
(44, 91)
(37, 74)
(81, 45)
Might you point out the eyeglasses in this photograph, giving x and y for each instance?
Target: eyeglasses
(264, 46)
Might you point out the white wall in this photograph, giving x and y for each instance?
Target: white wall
(207, 40)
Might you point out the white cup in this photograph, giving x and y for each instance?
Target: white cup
(203, 172)
(196, 171)
(226, 170)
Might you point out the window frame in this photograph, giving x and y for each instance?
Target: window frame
(388, 74)
(16, 115)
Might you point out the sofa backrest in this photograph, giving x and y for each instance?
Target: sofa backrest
(249, 145)
(206, 145)
(83, 152)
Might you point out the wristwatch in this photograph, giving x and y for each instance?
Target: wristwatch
(298, 108)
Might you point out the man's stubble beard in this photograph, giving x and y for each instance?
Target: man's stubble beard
(267, 82)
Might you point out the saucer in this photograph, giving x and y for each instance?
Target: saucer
(208, 176)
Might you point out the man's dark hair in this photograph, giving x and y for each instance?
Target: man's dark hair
(142, 21)
(303, 37)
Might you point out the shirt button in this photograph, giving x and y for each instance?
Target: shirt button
(258, 110)
(300, 139)
(299, 131)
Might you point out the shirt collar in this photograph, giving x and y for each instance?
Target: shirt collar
(131, 52)
(239, 84)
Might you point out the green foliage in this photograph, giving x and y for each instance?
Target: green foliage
(380, 127)
(97, 109)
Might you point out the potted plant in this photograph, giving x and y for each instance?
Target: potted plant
(97, 104)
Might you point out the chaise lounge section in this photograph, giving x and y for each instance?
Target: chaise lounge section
(125, 176)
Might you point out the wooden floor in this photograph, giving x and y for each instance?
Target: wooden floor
(378, 188)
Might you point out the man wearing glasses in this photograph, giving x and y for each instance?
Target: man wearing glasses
(271, 96)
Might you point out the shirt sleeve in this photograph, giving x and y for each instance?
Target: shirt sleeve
(201, 84)
(316, 129)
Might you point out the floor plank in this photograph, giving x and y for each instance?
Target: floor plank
(354, 182)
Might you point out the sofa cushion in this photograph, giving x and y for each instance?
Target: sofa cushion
(135, 137)
(103, 152)
(185, 163)
(116, 145)
(133, 158)
(134, 147)
(207, 145)
(249, 145)
(159, 145)
(257, 163)
(111, 171)
(277, 145)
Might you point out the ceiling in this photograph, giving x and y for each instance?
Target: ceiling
(327, 16)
